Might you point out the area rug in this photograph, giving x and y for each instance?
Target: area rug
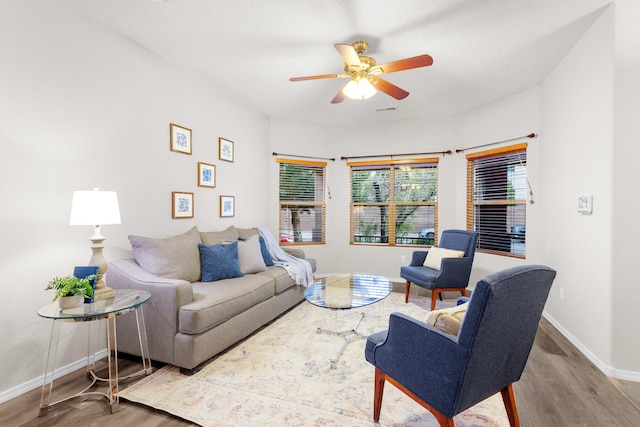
(282, 376)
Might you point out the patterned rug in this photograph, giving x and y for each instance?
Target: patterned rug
(282, 376)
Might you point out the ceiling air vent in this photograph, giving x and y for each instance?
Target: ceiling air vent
(385, 109)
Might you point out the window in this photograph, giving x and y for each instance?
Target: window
(394, 202)
(302, 202)
(497, 199)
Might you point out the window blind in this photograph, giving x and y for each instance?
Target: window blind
(302, 201)
(496, 199)
(394, 202)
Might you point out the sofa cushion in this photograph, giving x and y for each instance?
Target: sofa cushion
(217, 237)
(219, 261)
(250, 256)
(282, 279)
(175, 257)
(245, 233)
(215, 303)
(435, 255)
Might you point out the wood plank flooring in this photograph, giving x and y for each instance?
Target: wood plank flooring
(559, 387)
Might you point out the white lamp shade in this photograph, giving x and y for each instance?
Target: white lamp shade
(359, 89)
(94, 208)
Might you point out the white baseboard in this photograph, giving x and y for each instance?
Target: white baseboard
(38, 381)
(609, 371)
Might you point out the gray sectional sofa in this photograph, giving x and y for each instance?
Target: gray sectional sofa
(200, 303)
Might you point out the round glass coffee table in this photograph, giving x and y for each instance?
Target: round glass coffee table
(344, 292)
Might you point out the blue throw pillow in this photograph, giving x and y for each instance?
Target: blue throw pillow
(265, 252)
(219, 262)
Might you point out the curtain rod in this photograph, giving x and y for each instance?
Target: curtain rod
(303, 157)
(391, 155)
(461, 150)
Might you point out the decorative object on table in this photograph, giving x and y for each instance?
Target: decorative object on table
(206, 175)
(227, 206)
(181, 204)
(87, 271)
(225, 149)
(180, 139)
(96, 208)
(71, 290)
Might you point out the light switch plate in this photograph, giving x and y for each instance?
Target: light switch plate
(585, 204)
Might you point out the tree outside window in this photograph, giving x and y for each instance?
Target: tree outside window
(394, 203)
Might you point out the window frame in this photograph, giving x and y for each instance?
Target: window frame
(392, 204)
(318, 204)
(473, 202)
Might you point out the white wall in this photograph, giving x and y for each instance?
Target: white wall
(577, 122)
(83, 106)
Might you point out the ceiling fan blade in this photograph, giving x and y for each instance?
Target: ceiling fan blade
(348, 53)
(388, 88)
(321, 76)
(340, 96)
(406, 64)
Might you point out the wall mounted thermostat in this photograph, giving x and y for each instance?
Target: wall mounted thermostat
(585, 204)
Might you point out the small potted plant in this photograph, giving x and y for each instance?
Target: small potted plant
(71, 290)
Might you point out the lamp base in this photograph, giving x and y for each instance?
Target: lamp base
(103, 293)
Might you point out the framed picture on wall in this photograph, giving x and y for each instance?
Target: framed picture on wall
(206, 175)
(225, 150)
(180, 139)
(181, 204)
(227, 206)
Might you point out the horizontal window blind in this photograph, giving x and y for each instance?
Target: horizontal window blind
(496, 201)
(302, 204)
(394, 202)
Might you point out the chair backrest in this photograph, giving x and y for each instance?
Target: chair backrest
(499, 328)
(459, 240)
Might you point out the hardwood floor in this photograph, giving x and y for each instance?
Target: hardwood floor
(559, 387)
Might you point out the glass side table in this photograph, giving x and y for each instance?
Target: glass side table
(124, 301)
(344, 292)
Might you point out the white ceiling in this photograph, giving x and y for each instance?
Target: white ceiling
(483, 50)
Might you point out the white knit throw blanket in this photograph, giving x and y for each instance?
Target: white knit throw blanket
(299, 269)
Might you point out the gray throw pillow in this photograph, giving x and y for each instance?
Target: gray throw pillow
(250, 255)
(175, 257)
(216, 237)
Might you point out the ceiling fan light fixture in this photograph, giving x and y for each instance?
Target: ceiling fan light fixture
(359, 89)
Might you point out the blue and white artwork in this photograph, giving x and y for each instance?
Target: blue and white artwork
(226, 150)
(227, 206)
(180, 139)
(184, 204)
(206, 175)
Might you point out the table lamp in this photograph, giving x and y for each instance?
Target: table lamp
(96, 208)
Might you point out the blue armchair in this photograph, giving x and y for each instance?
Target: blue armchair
(447, 374)
(453, 275)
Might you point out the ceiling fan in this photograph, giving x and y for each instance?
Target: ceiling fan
(363, 73)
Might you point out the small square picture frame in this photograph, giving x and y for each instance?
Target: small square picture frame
(181, 204)
(227, 206)
(206, 175)
(225, 150)
(180, 139)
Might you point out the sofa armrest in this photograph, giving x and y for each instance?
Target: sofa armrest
(298, 253)
(160, 313)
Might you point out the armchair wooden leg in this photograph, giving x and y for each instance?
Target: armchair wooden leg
(509, 399)
(434, 295)
(378, 388)
(406, 292)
